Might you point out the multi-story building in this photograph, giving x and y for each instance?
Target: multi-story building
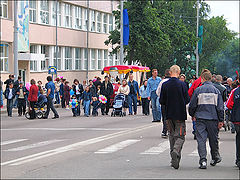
(72, 19)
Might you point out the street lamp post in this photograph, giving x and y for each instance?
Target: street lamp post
(56, 38)
(121, 41)
(197, 55)
(15, 43)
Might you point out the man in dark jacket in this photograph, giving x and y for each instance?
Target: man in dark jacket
(206, 106)
(234, 104)
(106, 90)
(61, 91)
(174, 96)
(16, 86)
(22, 97)
(220, 87)
(9, 95)
(132, 96)
(10, 80)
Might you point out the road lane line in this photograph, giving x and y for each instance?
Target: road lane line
(12, 141)
(35, 145)
(158, 149)
(195, 152)
(81, 144)
(66, 129)
(116, 147)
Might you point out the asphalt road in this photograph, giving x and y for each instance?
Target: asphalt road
(102, 147)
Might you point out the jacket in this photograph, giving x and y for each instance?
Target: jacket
(61, 91)
(16, 85)
(207, 103)
(80, 89)
(174, 96)
(24, 90)
(7, 91)
(8, 81)
(158, 91)
(197, 83)
(222, 89)
(106, 91)
(86, 96)
(143, 92)
(233, 103)
(135, 86)
(33, 93)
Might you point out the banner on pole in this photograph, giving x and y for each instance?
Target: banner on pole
(23, 26)
(125, 27)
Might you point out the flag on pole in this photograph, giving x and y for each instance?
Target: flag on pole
(125, 27)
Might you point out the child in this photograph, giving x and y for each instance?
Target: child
(22, 97)
(86, 97)
(9, 95)
(42, 99)
(96, 105)
(74, 104)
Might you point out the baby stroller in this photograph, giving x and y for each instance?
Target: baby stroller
(118, 105)
(39, 110)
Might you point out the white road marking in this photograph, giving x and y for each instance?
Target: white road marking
(81, 144)
(117, 147)
(12, 141)
(66, 129)
(158, 149)
(30, 146)
(195, 152)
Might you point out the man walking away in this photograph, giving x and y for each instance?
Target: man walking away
(132, 96)
(106, 90)
(234, 104)
(152, 85)
(163, 107)
(220, 87)
(174, 96)
(50, 95)
(206, 106)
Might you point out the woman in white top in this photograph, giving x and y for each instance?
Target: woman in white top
(124, 89)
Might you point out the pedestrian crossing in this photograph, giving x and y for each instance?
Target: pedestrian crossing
(14, 145)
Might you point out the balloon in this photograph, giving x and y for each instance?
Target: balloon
(73, 103)
(71, 92)
(102, 99)
(28, 85)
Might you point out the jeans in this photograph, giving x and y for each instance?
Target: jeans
(63, 101)
(156, 110)
(1, 98)
(132, 101)
(177, 132)
(50, 106)
(145, 106)
(207, 129)
(21, 106)
(15, 104)
(74, 111)
(9, 106)
(32, 112)
(237, 128)
(107, 106)
(86, 105)
(57, 97)
(194, 126)
(164, 117)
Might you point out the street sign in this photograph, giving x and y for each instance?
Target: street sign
(52, 70)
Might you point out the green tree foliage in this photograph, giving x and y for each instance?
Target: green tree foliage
(163, 33)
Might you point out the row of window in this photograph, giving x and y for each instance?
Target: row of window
(4, 51)
(69, 58)
(70, 16)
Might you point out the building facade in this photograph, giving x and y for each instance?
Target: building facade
(72, 61)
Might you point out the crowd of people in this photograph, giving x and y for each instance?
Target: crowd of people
(213, 103)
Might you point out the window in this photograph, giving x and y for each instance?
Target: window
(110, 60)
(85, 19)
(3, 8)
(68, 58)
(33, 64)
(105, 23)
(45, 63)
(78, 59)
(78, 17)
(4, 57)
(54, 13)
(93, 59)
(68, 15)
(57, 62)
(44, 11)
(105, 58)
(110, 23)
(93, 21)
(99, 22)
(85, 59)
(32, 11)
(99, 59)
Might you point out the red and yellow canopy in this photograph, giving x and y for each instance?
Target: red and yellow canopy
(126, 68)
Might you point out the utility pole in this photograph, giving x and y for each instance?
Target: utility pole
(87, 39)
(15, 42)
(197, 55)
(121, 32)
(56, 38)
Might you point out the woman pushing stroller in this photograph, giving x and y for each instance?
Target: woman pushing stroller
(124, 89)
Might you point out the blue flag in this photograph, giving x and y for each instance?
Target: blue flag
(125, 27)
